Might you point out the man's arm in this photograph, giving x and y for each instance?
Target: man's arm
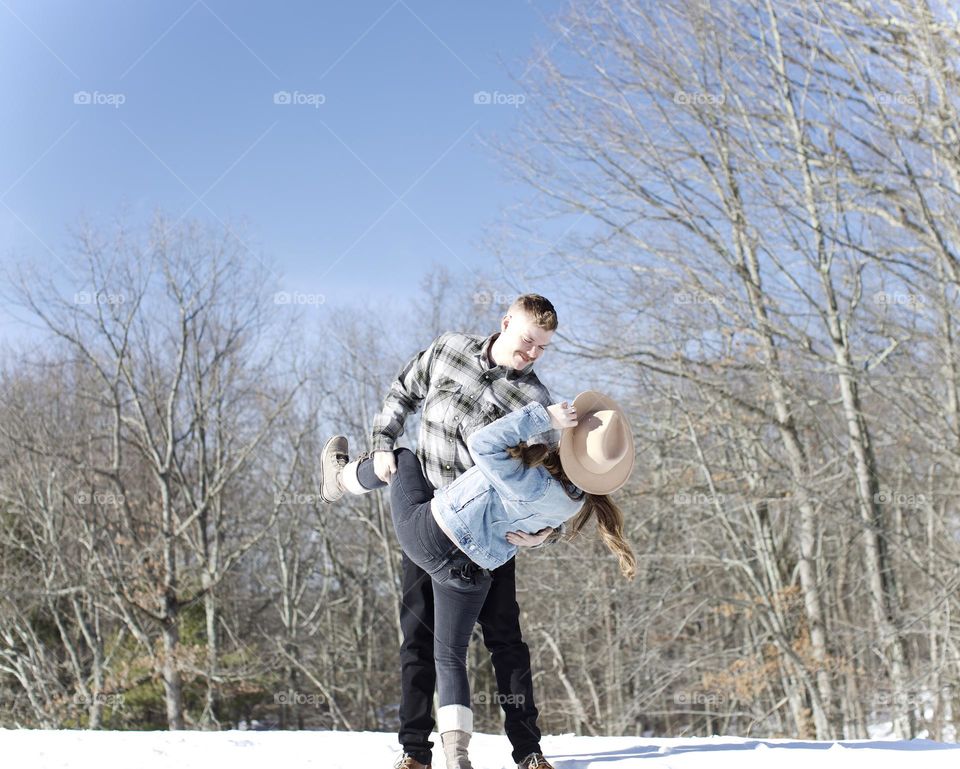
(403, 398)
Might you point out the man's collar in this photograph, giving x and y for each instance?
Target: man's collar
(486, 351)
(486, 358)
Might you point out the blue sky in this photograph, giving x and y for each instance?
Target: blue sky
(317, 182)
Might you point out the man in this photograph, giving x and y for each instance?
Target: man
(463, 382)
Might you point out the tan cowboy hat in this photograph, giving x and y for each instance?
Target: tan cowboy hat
(597, 454)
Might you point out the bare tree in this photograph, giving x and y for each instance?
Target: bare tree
(176, 338)
(741, 182)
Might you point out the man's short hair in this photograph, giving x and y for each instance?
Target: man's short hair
(539, 308)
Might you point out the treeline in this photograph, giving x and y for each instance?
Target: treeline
(761, 261)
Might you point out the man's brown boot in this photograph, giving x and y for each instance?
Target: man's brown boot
(406, 761)
(535, 761)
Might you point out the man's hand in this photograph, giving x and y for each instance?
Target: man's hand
(562, 415)
(384, 465)
(522, 539)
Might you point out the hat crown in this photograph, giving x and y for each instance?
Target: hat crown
(604, 443)
(597, 453)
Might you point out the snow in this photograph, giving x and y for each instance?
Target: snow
(40, 749)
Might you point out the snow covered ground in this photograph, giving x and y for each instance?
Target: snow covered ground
(374, 750)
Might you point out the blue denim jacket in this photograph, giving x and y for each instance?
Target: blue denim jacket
(501, 494)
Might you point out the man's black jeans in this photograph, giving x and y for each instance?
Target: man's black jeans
(499, 622)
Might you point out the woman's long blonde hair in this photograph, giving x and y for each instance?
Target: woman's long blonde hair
(609, 516)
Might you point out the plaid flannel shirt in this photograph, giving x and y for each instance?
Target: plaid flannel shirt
(460, 392)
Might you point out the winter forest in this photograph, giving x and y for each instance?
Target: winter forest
(755, 209)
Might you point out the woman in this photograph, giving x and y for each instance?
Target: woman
(457, 534)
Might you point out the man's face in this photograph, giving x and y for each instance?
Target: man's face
(523, 339)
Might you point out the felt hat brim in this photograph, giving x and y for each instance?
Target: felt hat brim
(586, 403)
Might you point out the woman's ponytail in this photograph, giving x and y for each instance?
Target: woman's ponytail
(610, 525)
(609, 516)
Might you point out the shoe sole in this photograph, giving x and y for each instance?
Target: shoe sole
(323, 470)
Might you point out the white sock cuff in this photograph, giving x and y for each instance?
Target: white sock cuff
(450, 717)
(349, 480)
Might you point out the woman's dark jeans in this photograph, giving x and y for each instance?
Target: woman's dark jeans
(459, 585)
(500, 622)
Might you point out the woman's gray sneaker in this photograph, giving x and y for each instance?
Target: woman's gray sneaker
(332, 460)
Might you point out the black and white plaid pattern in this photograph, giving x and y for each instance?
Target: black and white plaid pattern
(460, 392)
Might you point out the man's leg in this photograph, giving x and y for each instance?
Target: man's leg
(417, 670)
(418, 673)
(500, 621)
(409, 493)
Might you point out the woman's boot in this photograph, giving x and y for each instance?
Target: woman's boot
(455, 748)
(333, 458)
(338, 475)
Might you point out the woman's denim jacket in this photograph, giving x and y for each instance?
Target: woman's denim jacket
(501, 494)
